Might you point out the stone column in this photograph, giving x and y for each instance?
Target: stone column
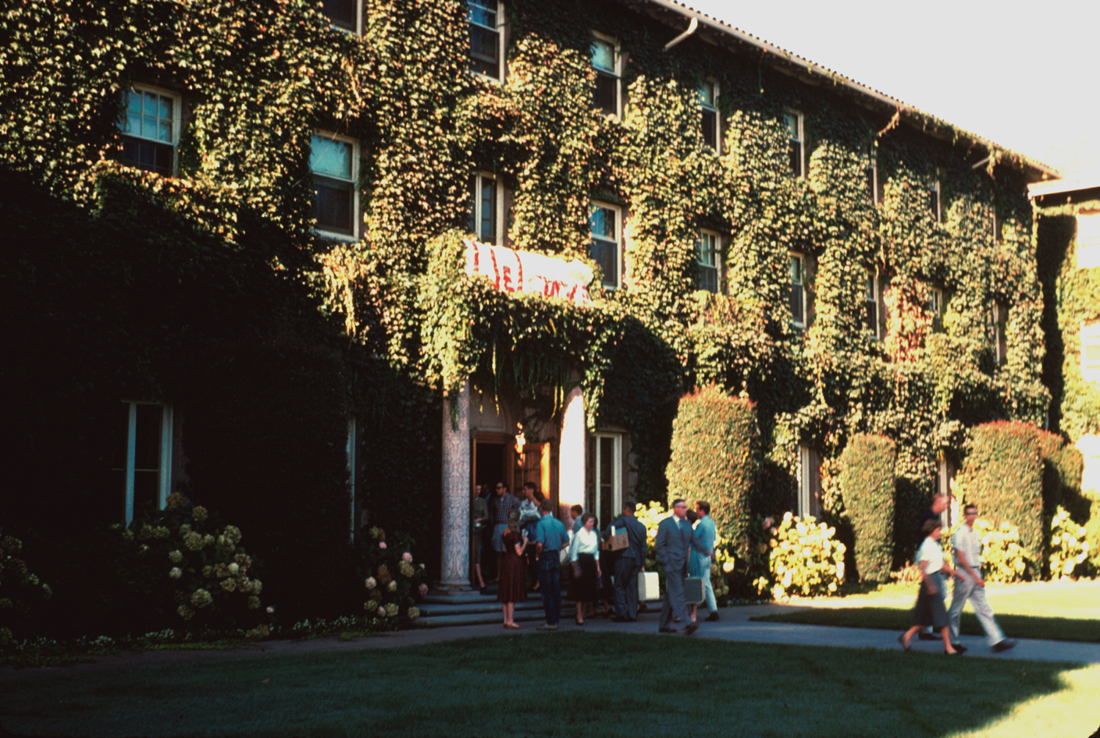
(456, 493)
(571, 453)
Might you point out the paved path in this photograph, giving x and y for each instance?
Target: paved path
(735, 625)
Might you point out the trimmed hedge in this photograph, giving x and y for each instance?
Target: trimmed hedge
(1003, 475)
(867, 483)
(716, 457)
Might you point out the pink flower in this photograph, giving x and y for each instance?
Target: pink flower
(270, 610)
(407, 557)
(382, 545)
(423, 589)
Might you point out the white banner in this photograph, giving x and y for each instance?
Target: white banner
(522, 271)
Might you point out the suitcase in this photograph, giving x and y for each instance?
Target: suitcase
(693, 590)
(649, 588)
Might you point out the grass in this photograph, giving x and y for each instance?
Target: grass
(567, 684)
(1051, 611)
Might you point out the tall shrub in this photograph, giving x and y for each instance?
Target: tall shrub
(867, 483)
(716, 457)
(1003, 475)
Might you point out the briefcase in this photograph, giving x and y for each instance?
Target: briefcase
(649, 586)
(693, 590)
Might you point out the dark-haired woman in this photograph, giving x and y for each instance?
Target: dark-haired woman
(513, 580)
(930, 609)
(584, 552)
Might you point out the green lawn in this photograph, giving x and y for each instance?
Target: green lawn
(1053, 611)
(568, 684)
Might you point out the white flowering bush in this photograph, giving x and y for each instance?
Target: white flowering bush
(651, 516)
(804, 560)
(1003, 558)
(198, 571)
(392, 580)
(1069, 549)
(20, 589)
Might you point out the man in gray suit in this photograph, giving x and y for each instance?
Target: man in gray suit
(631, 561)
(675, 538)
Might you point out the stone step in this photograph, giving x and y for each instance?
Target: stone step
(436, 609)
(480, 618)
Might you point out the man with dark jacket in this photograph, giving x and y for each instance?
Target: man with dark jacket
(631, 561)
(674, 539)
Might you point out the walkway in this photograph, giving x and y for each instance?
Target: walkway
(735, 625)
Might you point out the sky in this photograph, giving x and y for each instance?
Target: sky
(1021, 75)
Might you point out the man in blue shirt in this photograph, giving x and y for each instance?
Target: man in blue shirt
(550, 539)
(706, 532)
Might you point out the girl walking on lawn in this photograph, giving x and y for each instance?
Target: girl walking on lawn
(930, 609)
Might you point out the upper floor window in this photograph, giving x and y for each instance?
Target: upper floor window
(934, 204)
(150, 130)
(1090, 352)
(708, 103)
(933, 302)
(607, 61)
(998, 323)
(343, 14)
(796, 142)
(143, 455)
(796, 290)
(997, 225)
(334, 161)
(485, 220)
(876, 187)
(486, 39)
(873, 308)
(1088, 240)
(606, 245)
(708, 254)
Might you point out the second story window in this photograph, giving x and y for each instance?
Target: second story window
(872, 305)
(606, 245)
(150, 130)
(485, 38)
(934, 204)
(795, 142)
(933, 302)
(1090, 351)
(876, 188)
(1087, 246)
(707, 261)
(708, 103)
(485, 209)
(998, 323)
(334, 162)
(343, 14)
(796, 290)
(606, 61)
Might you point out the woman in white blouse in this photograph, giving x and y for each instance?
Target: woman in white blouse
(584, 552)
(930, 609)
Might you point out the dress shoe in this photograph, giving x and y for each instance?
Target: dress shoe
(712, 617)
(691, 628)
(1004, 645)
(959, 647)
(901, 640)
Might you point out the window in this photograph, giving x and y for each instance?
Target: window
(873, 311)
(150, 130)
(876, 188)
(708, 252)
(796, 290)
(605, 451)
(143, 455)
(486, 209)
(606, 61)
(809, 482)
(934, 202)
(605, 248)
(334, 162)
(344, 14)
(1088, 240)
(998, 321)
(997, 225)
(933, 302)
(1090, 352)
(708, 103)
(486, 39)
(795, 141)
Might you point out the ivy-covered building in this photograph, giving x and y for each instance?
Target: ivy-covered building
(243, 243)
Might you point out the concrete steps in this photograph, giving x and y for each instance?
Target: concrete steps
(439, 609)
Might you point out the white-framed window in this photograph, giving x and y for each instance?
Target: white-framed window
(796, 140)
(347, 15)
(796, 289)
(933, 302)
(606, 247)
(142, 465)
(150, 129)
(708, 105)
(486, 37)
(809, 482)
(934, 204)
(1090, 351)
(351, 446)
(334, 162)
(605, 456)
(997, 323)
(486, 218)
(1088, 240)
(873, 308)
(708, 261)
(876, 187)
(607, 61)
